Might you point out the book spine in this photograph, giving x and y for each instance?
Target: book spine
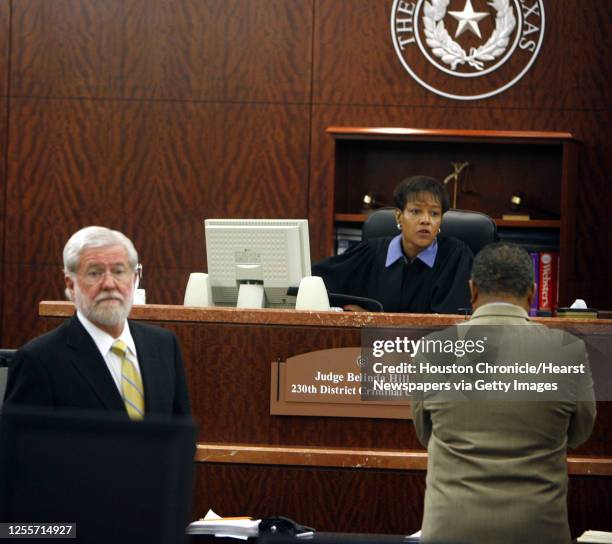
(341, 246)
(346, 238)
(535, 257)
(557, 281)
(549, 269)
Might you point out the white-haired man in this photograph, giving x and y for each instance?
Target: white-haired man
(98, 360)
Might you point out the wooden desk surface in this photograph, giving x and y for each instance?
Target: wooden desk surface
(160, 312)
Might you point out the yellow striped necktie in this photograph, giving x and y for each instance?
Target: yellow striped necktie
(131, 383)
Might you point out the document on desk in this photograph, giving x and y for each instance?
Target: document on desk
(414, 537)
(213, 524)
(595, 537)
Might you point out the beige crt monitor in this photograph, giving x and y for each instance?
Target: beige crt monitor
(252, 262)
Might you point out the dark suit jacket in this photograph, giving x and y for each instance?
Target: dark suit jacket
(64, 368)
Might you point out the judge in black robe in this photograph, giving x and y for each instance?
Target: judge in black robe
(418, 271)
(438, 285)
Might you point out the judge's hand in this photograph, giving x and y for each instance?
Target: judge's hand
(353, 308)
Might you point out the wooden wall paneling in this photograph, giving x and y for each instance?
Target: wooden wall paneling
(24, 286)
(578, 37)
(593, 202)
(569, 72)
(333, 500)
(228, 369)
(166, 284)
(224, 361)
(4, 80)
(261, 51)
(177, 163)
(231, 389)
(154, 170)
(593, 194)
(567, 235)
(62, 175)
(265, 169)
(326, 499)
(355, 61)
(3, 153)
(600, 442)
(256, 50)
(228, 352)
(170, 169)
(5, 18)
(589, 503)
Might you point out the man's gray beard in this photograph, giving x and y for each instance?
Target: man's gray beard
(106, 315)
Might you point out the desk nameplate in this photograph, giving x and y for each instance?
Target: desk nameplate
(327, 383)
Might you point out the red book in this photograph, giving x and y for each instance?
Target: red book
(547, 286)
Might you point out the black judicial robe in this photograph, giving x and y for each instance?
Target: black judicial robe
(404, 286)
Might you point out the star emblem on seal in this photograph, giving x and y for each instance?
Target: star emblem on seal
(468, 19)
(465, 41)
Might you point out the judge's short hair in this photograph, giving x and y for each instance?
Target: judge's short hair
(503, 269)
(95, 237)
(412, 187)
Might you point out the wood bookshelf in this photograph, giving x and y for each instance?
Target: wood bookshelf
(532, 223)
(540, 164)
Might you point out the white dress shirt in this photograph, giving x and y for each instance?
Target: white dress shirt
(104, 342)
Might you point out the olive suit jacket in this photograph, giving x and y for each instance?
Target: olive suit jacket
(497, 469)
(65, 369)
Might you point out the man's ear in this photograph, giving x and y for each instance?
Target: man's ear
(473, 293)
(69, 282)
(531, 294)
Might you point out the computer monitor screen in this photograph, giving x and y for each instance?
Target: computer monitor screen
(266, 254)
(118, 480)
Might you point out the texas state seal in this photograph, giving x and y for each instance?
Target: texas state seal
(467, 49)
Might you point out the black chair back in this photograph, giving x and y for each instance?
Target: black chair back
(6, 359)
(476, 229)
(7, 356)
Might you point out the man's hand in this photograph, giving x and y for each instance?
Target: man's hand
(353, 308)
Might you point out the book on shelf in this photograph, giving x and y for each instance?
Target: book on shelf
(535, 258)
(543, 247)
(577, 313)
(346, 237)
(531, 239)
(509, 216)
(548, 281)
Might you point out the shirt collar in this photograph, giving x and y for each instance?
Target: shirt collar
(102, 339)
(394, 253)
(500, 309)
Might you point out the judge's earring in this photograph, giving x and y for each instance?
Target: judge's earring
(399, 226)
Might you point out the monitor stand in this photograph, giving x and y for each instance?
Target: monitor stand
(251, 295)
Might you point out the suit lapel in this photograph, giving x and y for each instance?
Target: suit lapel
(88, 361)
(149, 362)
